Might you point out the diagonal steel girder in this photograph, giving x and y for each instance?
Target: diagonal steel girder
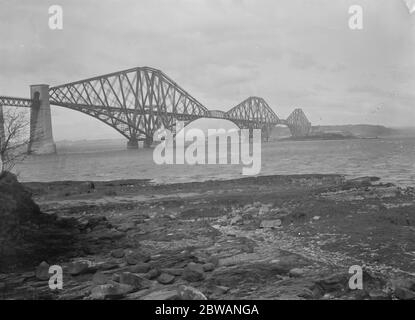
(136, 102)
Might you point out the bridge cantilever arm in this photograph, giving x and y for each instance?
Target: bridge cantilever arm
(17, 102)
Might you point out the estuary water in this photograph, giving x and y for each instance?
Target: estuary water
(391, 159)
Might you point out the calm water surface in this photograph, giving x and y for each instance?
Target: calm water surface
(392, 159)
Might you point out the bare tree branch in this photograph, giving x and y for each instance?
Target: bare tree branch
(14, 138)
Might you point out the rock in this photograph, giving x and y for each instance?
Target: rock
(270, 224)
(126, 226)
(162, 295)
(193, 272)
(207, 267)
(118, 253)
(236, 219)
(173, 271)
(251, 210)
(263, 210)
(190, 293)
(110, 234)
(404, 294)
(315, 218)
(79, 267)
(257, 204)
(108, 265)
(135, 281)
(165, 278)
(214, 260)
(100, 278)
(136, 257)
(220, 290)
(140, 268)
(110, 291)
(296, 272)
(378, 295)
(42, 271)
(152, 274)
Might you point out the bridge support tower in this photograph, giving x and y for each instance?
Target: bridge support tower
(132, 144)
(41, 137)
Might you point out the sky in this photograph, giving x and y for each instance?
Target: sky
(292, 53)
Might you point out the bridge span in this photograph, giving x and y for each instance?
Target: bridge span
(137, 102)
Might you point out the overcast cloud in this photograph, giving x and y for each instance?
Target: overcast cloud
(293, 53)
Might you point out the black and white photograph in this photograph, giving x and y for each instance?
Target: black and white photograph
(225, 151)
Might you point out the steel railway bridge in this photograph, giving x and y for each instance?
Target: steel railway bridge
(137, 102)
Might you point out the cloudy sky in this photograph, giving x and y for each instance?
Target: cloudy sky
(293, 53)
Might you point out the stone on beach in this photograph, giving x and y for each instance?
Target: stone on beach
(110, 291)
(140, 268)
(190, 293)
(134, 280)
(79, 267)
(117, 253)
(193, 272)
(166, 278)
(270, 224)
(42, 271)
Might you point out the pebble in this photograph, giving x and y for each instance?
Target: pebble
(118, 253)
(42, 271)
(166, 278)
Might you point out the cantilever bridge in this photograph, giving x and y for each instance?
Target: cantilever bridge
(137, 102)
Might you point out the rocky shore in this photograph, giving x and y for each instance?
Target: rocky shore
(275, 237)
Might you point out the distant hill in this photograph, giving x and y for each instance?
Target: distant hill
(359, 130)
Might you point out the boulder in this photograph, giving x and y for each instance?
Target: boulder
(28, 236)
(193, 272)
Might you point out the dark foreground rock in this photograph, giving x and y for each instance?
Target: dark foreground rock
(277, 237)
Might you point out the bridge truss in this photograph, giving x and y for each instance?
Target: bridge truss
(137, 102)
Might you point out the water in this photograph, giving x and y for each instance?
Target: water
(391, 159)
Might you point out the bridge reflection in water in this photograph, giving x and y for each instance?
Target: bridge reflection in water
(137, 102)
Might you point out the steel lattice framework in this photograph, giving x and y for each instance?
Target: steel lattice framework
(15, 102)
(253, 112)
(136, 102)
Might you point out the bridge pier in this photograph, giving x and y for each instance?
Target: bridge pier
(148, 142)
(41, 137)
(2, 133)
(132, 144)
